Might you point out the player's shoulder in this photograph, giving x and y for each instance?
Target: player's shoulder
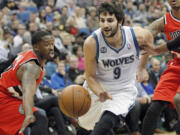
(31, 66)
(90, 41)
(140, 32)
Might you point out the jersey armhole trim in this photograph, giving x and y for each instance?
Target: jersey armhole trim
(135, 41)
(97, 44)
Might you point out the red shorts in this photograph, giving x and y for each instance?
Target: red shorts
(169, 83)
(11, 114)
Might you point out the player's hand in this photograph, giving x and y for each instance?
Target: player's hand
(143, 100)
(140, 75)
(103, 96)
(55, 92)
(28, 120)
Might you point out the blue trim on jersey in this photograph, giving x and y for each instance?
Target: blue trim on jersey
(131, 106)
(135, 41)
(97, 43)
(124, 42)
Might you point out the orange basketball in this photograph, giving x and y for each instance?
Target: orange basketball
(74, 101)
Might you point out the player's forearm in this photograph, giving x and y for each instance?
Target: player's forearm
(143, 61)
(173, 45)
(160, 49)
(94, 85)
(28, 101)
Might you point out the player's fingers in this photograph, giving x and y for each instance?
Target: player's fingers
(25, 124)
(27, 121)
(109, 96)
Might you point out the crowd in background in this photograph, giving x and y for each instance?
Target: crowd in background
(71, 21)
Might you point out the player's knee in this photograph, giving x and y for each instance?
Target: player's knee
(177, 99)
(41, 119)
(156, 108)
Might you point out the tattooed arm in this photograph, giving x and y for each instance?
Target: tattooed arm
(157, 26)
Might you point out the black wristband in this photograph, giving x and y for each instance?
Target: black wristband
(174, 45)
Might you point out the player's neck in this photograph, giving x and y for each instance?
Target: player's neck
(117, 40)
(41, 60)
(176, 13)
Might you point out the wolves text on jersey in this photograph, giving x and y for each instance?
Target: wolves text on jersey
(114, 62)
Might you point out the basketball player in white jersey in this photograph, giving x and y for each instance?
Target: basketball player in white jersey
(111, 59)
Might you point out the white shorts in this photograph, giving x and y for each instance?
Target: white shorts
(120, 104)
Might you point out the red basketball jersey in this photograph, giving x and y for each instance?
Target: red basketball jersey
(172, 26)
(172, 29)
(9, 77)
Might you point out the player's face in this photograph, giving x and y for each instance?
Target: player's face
(46, 49)
(108, 24)
(175, 4)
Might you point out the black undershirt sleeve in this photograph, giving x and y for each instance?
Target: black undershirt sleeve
(174, 45)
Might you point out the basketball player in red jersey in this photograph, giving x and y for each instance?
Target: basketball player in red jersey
(25, 72)
(168, 89)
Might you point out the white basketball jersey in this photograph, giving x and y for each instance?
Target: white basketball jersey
(116, 72)
(116, 69)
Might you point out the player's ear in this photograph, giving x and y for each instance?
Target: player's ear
(121, 22)
(35, 47)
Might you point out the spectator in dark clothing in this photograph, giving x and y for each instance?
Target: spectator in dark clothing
(50, 105)
(155, 71)
(75, 75)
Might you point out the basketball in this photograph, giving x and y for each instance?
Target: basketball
(74, 101)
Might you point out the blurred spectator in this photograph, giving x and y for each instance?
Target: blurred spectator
(39, 3)
(59, 79)
(34, 18)
(51, 3)
(155, 71)
(25, 47)
(130, 9)
(59, 46)
(64, 16)
(49, 26)
(49, 14)
(85, 3)
(56, 19)
(75, 75)
(92, 19)
(62, 3)
(80, 38)
(18, 39)
(78, 52)
(42, 15)
(71, 7)
(141, 14)
(15, 27)
(51, 66)
(3, 3)
(5, 43)
(77, 19)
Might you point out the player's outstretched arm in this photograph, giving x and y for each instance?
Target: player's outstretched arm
(142, 40)
(173, 45)
(28, 74)
(90, 48)
(156, 26)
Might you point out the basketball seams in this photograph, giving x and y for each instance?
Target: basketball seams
(64, 104)
(73, 101)
(82, 106)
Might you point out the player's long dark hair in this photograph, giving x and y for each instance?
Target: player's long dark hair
(112, 8)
